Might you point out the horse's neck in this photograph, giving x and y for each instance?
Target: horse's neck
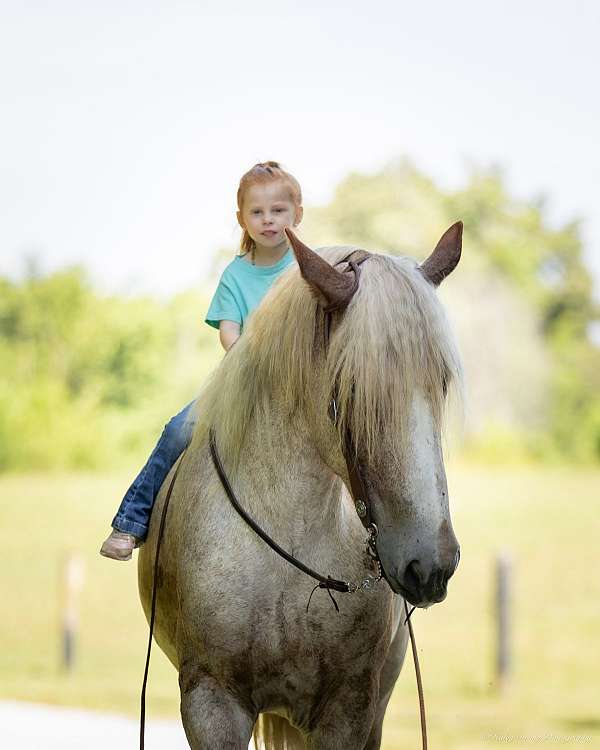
(284, 480)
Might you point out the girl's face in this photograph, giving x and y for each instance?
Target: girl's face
(266, 210)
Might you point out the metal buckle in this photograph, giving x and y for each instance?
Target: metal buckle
(370, 541)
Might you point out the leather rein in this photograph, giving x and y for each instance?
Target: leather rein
(359, 495)
(323, 582)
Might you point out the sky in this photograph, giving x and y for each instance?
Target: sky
(127, 125)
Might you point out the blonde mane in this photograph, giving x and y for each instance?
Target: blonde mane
(392, 339)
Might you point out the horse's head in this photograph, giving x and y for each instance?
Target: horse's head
(388, 357)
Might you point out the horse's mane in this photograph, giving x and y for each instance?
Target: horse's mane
(392, 338)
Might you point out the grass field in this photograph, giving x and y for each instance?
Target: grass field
(548, 521)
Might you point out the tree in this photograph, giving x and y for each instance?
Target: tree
(88, 380)
(539, 380)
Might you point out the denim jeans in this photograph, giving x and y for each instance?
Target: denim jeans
(134, 512)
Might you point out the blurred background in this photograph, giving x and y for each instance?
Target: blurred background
(125, 130)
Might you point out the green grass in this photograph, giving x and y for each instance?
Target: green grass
(547, 521)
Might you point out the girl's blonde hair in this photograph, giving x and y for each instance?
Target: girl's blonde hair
(261, 173)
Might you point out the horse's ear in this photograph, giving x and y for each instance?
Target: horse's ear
(334, 286)
(444, 259)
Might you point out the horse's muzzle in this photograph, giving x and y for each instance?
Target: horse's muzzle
(422, 587)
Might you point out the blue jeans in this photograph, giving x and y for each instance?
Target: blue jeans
(134, 512)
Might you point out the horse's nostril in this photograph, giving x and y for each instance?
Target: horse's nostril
(414, 575)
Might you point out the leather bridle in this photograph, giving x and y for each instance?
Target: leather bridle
(357, 486)
(359, 494)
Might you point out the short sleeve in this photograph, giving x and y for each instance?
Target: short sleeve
(224, 306)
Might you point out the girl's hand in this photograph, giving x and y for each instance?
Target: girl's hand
(229, 333)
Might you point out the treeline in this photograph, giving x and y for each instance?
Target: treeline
(521, 299)
(87, 380)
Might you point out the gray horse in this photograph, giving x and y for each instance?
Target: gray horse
(232, 615)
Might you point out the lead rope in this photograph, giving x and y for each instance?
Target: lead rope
(153, 607)
(413, 644)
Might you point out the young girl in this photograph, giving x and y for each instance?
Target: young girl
(269, 199)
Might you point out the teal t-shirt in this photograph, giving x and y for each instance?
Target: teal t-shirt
(242, 287)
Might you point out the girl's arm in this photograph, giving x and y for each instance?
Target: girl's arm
(229, 333)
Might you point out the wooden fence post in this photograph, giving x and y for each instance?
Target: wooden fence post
(503, 615)
(73, 575)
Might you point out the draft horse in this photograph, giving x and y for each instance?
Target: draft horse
(343, 369)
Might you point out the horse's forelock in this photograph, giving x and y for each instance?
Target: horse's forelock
(393, 339)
